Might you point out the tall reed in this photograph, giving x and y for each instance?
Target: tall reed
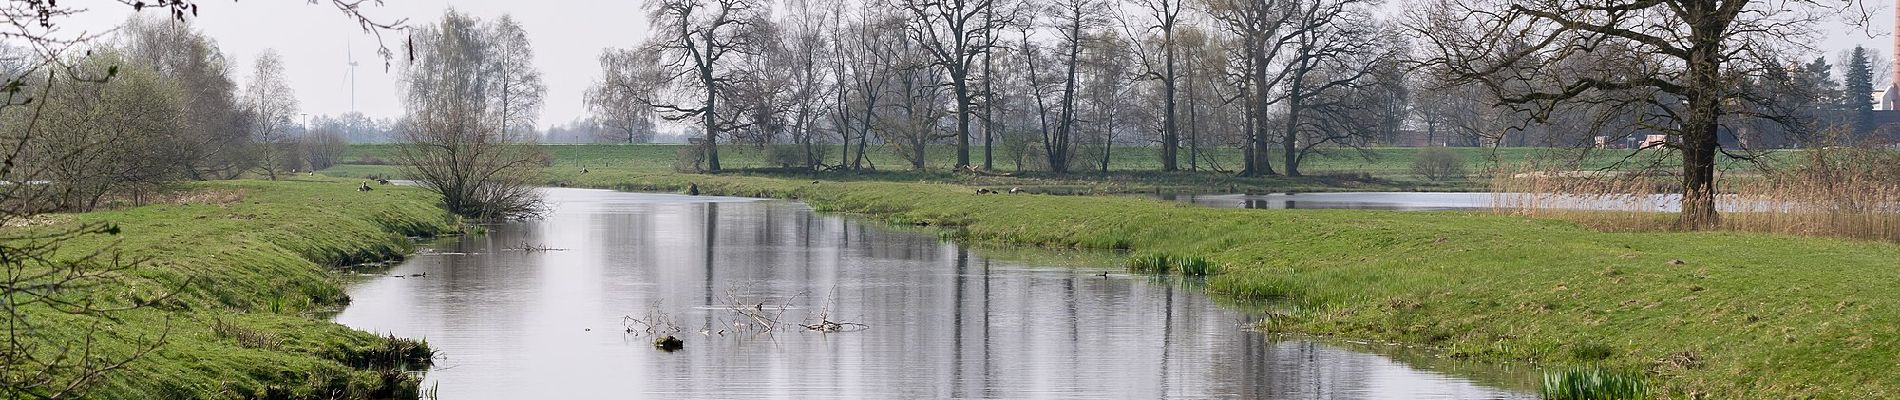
(1848, 192)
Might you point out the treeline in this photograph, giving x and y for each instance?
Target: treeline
(1060, 85)
(156, 103)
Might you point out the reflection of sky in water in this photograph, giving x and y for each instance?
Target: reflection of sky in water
(944, 322)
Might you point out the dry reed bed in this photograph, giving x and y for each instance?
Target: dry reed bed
(1847, 193)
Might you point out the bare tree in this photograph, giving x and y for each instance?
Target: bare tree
(518, 89)
(914, 118)
(323, 147)
(698, 45)
(956, 33)
(1075, 22)
(617, 101)
(457, 141)
(1259, 28)
(807, 57)
(1165, 17)
(1107, 89)
(273, 107)
(1332, 49)
(1681, 61)
(865, 45)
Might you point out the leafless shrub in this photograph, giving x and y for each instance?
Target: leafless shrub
(1438, 164)
(323, 148)
(459, 144)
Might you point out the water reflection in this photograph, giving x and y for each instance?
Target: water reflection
(943, 322)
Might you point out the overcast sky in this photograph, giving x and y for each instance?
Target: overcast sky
(316, 42)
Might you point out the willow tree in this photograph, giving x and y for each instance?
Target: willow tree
(1674, 64)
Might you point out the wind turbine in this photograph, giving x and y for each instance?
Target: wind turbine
(349, 75)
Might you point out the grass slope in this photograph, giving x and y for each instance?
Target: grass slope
(1722, 315)
(253, 258)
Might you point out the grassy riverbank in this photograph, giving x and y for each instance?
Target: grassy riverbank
(254, 260)
(1133, 171)
(1723, 315)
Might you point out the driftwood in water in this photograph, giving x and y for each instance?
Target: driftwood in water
(531, 248)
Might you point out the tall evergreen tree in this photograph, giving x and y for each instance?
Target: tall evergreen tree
(1857, 92)
(1819, 79)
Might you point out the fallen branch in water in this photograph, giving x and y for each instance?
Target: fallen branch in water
(531, 248)
(756, 314)
(826, 325)
(656, 322)
(829, 326)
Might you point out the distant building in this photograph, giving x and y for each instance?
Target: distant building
(1890, 98)
(1655, 140)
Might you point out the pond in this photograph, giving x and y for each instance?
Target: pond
(542, 309)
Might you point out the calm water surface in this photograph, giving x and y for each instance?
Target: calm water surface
(943, 322)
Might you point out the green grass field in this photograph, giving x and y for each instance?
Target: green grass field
(254, 260)
(1385, 162)
(1133, 171)
(1702, 315)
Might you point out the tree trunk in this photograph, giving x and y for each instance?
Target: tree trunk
(1258, 164)
(1170, 135)
(1108, 142)
(712, 102)
(917, 154)
(1699, 144)
(1290, 139)
(1194, 125)
(989, 92)
(1066, 130)
(962, 86)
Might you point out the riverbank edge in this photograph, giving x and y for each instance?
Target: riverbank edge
(1700, 314)
(258, 263)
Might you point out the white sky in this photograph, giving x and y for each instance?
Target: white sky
(316, 41)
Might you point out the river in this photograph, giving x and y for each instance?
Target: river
(540, 310)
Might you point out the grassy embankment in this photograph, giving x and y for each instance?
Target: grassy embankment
(1726, 315)
(254, 259)
(1132, 171)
